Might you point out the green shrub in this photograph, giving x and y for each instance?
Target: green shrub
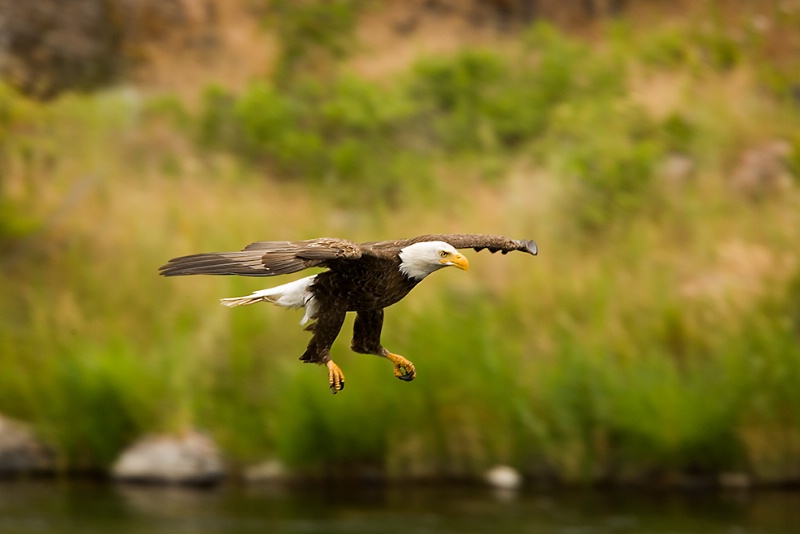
(214, 125)
(666, 48)
(343, 136)
(569, 70)
(458, 92)
(17, 116)
(611, 162)
(717, 48)
(311, 34)
(678, 133)
(347, 131)
(666, 417)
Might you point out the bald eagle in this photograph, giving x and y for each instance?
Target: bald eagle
(363, 278)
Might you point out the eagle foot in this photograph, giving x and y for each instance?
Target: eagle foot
(335, 377)
(403, 368)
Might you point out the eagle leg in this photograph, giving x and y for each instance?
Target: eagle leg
(403, 368)
(367, 340)
(319, 348)
(335, 377)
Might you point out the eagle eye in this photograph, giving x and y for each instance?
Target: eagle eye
(443, 253)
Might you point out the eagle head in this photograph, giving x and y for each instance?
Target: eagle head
(421, 259)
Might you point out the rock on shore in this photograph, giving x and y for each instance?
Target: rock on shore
(21, 452)
(190, 458)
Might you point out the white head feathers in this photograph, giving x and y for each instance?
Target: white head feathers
(421, 259)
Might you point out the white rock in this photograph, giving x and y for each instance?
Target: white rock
(191, 458)
(503, 476)
(21, 451)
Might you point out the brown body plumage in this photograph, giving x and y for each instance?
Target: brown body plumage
(363, 278)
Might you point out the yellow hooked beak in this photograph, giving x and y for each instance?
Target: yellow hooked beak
(456, 260)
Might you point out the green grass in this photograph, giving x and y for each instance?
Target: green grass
(655, 335)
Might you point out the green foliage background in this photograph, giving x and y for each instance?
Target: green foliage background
(655, 336)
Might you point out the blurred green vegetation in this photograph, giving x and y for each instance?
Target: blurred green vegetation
(656, 335)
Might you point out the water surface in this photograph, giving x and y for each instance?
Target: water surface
(87, 508)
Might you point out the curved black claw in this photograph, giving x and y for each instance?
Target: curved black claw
(408, 376)
(403, 369)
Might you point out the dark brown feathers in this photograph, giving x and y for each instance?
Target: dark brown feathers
(265, 258)
(270, 258)
(492, 243)
(243, 263)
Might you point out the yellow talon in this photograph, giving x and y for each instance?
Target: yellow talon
(335, 377)
(403, 369)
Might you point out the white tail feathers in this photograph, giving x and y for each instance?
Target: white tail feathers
(295, 294)
(232, 302)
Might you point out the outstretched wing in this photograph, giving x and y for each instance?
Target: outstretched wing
(493, 243)
(265, 258)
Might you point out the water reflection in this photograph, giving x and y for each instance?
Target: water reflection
(86, 508)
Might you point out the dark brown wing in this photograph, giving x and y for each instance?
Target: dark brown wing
(265, 258)
(493, 243)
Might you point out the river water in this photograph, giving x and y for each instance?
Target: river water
(88, 508)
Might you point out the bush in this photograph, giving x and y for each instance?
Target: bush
(311, 34)
(666, 48)
(610, 163)
(458, 94)
(351, 132)
(18, 115)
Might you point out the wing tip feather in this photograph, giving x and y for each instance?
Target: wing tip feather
(531, 247)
